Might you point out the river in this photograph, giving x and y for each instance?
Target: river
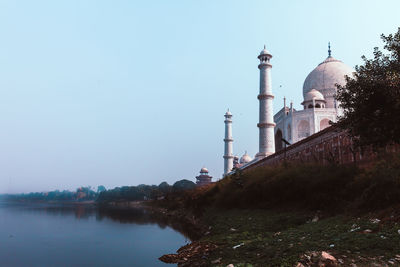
(83, 235)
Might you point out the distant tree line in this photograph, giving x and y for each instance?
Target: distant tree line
(88, 193)
(144, 192)
(81, 194)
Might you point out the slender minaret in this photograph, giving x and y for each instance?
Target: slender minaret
(228, 156)
(266, 124)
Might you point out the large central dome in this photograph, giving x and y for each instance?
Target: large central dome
(324, 77)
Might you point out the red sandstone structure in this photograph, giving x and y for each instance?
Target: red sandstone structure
(331, 145)
(203, 178)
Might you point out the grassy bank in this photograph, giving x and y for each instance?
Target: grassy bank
(272, 238)
(278, 216)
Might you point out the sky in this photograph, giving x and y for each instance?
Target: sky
(128, 92)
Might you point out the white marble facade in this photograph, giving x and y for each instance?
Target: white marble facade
(319, 105)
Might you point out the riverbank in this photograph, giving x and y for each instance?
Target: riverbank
(287, 238)
(304, 215)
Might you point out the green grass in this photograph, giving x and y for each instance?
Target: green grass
(271, 238)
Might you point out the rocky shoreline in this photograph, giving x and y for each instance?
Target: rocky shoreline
(197, 252)
(193, 254)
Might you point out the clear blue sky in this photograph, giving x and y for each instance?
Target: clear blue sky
(127, 92)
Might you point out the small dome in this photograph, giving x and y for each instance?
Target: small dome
(314, 94)
(245, 159)
(228, 113)
(264, 52)
(204, 169)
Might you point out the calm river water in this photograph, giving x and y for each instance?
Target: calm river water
(54, 235)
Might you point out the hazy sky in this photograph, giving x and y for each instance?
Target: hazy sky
(128, 92)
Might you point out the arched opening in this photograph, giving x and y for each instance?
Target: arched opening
(303, 130)
(318, 106)
(278, 140)
(310, 106)
(324, 123)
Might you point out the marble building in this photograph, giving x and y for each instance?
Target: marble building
(319, 108)
(319, 104)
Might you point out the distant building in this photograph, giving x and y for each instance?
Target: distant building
(203, 178)
(243, 160)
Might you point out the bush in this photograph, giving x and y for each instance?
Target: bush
(332, 188)
(381, 184)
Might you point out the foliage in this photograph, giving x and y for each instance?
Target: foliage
(101, 188)
(165, 188)
(300, 187)
(143, 192)
(85, 193)
(81, 194)
(380, 185)
(183, 185)
(124, 193)
(371, 99)
(127, 193)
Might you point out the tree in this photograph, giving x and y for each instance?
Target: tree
(371, 99)
(164, 187)
(101, 188)
(183, 185)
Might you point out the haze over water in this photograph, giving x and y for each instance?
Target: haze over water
(49, 235)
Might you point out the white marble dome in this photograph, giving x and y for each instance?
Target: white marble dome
(314, 94)
(264, 52)
(324, 77)
(245, 159)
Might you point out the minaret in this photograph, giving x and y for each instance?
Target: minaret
(228, 156)
(266, 123)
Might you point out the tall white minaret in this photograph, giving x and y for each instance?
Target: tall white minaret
(228, 156)
(266, 124)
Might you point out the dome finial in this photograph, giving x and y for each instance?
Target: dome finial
(265, 47)
(329, 49)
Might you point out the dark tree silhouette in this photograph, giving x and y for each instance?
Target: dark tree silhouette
(371, 99)
(101, 188)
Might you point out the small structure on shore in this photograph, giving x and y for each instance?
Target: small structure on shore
(203, 178)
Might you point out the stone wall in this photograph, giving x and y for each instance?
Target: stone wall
(331, 145)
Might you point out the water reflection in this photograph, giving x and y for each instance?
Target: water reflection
(145, 216)
(86, 235)
(132, 215)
